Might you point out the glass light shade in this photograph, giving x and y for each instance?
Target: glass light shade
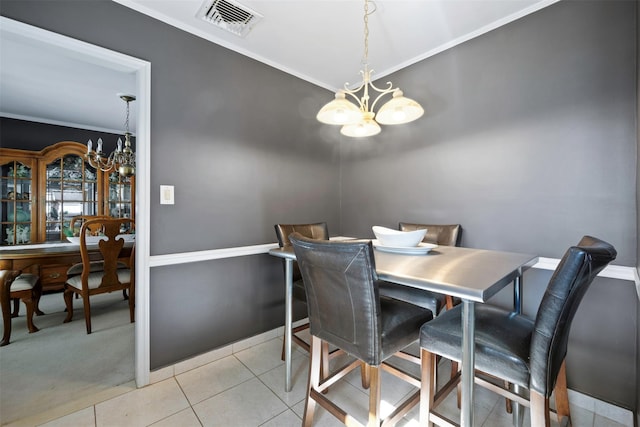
(399, 110)
(339, 111)
(365, 127)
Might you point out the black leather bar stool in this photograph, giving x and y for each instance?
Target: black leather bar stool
(318, 230)
(510, 347)
(347, 311)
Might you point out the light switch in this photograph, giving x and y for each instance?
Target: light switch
(166, 195)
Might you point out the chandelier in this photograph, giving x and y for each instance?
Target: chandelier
(360, 119)
(124, 160)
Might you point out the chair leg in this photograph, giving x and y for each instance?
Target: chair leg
(87, 312)
(29, 303)
(562, 396)
(37, 293)
(314, 380)
(428, 386)
(132, 305)
(16, 307)
(374, 396)
(365, 375)
(324, 371)
(539, 410)
(7, 277)
(68, 301)
(508, 405)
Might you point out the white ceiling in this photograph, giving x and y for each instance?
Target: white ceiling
(321, 41)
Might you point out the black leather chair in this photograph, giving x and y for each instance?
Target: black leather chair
(445, 235)
(346, 310)
(439, 234)
(317, 230)
(513, 348)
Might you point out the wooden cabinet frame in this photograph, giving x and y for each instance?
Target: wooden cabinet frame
(107, 194)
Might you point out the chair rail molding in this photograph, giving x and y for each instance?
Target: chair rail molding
(612, 271)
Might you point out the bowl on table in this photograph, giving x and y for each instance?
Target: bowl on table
(396, 238)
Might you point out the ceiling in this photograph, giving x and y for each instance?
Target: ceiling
(320, 41)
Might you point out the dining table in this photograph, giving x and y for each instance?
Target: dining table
(473, 275)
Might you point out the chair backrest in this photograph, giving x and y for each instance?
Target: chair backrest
(342, 294)
(76, 223)
(318, 230)
(110, 250)
(439, 234)
(568, 284)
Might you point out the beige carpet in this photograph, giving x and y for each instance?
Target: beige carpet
(61, 363)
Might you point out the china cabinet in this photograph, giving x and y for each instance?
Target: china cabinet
(18, 216)
(42, 190)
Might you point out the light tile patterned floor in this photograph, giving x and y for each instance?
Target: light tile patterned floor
(246, 389)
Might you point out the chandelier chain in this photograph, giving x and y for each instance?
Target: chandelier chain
(126, 121)
(365, 58)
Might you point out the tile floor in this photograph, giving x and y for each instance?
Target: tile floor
(246, 388)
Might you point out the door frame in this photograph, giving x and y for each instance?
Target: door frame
(142, 69)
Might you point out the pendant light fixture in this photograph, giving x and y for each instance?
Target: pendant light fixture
(360, 119)
(123, 160)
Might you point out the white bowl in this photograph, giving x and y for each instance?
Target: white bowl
(396, 238)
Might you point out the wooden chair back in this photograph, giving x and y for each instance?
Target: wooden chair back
(102, 272)
(77, 222)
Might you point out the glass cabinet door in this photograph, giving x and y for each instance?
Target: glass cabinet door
(71, 189)
(17, 210)
(120, 199)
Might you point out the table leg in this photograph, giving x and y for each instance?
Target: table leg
(518, 410)
(468, 362)
(288, 318)
(517, 294)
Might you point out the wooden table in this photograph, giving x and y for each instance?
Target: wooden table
(474, 275)
(52, 261)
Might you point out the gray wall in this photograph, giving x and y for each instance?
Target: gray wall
(34, 136)
(529, 141)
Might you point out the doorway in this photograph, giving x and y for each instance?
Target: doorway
(141, 69)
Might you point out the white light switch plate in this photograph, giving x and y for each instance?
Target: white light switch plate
(166, 195)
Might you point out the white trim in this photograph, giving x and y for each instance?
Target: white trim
(188, 257)
(611, 271)
(143, 225)
(125, 63)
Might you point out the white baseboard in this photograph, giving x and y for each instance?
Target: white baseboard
(605, 409)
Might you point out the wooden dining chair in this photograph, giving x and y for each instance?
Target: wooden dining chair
(16, 286)
(346, 310)
(76, 223)
(106, 274)
(514, 349)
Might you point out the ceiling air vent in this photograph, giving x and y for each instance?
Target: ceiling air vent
(230, 16)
